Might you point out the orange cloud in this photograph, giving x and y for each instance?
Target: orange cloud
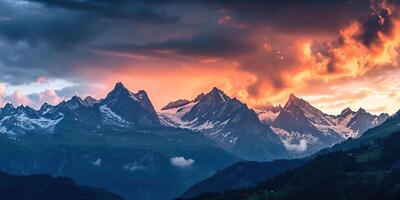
(332, 71)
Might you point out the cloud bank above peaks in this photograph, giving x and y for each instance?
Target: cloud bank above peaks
(258, 51)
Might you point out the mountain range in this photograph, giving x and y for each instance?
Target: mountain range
(121, 109)
(301, 128)
(116, 143)
(120, 143)
(295, 130)
(362, 168)
(305, 129)
(373, 157)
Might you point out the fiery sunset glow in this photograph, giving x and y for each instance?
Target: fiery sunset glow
(259, 52)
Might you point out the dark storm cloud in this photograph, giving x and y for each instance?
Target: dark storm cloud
(283, 15)
(78, 22)
(139, 11)
(35, 25)
(310, 16)
(212, 44)
(373, 25)
(55, 38)
(59, 32)
(46, 41)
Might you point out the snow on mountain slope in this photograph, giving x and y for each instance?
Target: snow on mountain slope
(111, 118)
(299, 123)
(267, 114)
(228, 122)
(135, 108)
(120, 109)
(17, 121)
(173, 116)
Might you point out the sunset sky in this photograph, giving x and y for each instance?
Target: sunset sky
(334, 54)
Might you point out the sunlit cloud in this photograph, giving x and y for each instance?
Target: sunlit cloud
(259, 52)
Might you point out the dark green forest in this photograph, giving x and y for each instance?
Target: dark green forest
(371, 171)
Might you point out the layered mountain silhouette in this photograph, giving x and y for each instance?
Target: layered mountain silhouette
(116, 143)
(228, 122)
(122, 138)
(345, 165)
(297, 129)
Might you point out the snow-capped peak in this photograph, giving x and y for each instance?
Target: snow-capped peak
(227, 121)
(301, 121)
(219, 93)
(120, 109)
(361, 110)
(214, 97)
(74, 103)
(292, 97)
(8, 108)
(120, 91)
(119, 86)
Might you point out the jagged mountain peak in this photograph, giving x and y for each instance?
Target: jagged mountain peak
(73, 103)
(294, 100)
(292, 97)
(45, 108)
(22, 107)
(119, 86)
(214, 97)
(217, 95)
(45, 105)
(296, 104)
(215, 89)
(118, 90)
(76, 99)
(384, 115)
(28, 111)
(142, 95)
(135, 108)
(199, 97)
(8, 109)
(142, 92)
(361, 110)
(8, 106)
(228, 122)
